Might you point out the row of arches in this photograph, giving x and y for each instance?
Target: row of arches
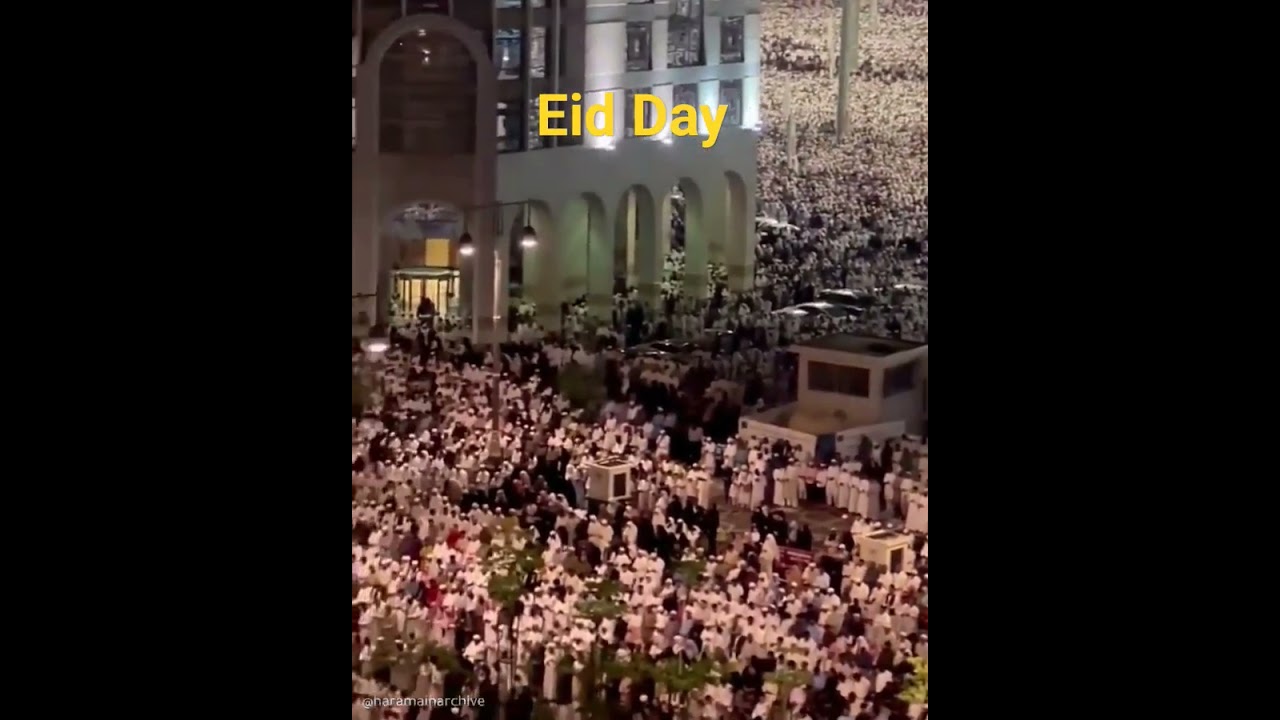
(413, 90)
(592, 247)
(624, 242)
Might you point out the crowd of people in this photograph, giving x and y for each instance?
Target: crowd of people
(847, 215)
(490, 561)
(719, 624)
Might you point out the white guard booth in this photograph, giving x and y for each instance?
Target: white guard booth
(886, 548)
(610, 480)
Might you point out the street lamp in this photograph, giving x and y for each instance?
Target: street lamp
(528, 238)
(467, 248)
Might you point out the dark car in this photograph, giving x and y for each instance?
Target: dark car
(662, 348)
(860, 299)
(815, 309)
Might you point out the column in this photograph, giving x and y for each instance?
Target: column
(697, 228)
(740, 237)
(601, 228)
(848, 63)
(364, 258)
(875, 15)
(664, 227)
(484, 303)
(631, 236)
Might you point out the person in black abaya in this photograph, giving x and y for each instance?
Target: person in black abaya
(711, 526)
(488, 691)
(675, 510)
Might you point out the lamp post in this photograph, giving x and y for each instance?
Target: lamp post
(848, 62)
(467, 249)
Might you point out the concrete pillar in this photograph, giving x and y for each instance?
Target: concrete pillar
(875, 14)
(848, 63)
(487, 263)
(542, 271)
(632, 221)
(740, 236)
(600, 262)
(364, 254)
(664, 226)
(699, 225)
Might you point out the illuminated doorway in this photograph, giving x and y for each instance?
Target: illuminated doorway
(439, 285)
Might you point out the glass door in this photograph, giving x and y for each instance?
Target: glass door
(424, 292)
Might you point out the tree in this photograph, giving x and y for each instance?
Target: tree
(685, 679)
(916, 691)
(689, 571)
(582, 386)
(601, 601)
(787, 680)
(511, 560)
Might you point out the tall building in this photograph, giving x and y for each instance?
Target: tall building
(445, 124)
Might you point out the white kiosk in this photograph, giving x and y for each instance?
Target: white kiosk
(610, 480)
(849, 387)
(886, 548)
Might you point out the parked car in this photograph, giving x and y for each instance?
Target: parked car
(662, 348)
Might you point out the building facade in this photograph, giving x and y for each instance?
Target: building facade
(444, 117)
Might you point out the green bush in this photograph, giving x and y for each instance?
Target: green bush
(583, 387)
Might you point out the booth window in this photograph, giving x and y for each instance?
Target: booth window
(900, 379)
(842, 379)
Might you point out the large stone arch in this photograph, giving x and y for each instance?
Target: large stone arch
(635, 237)
(405, 176)
(584, 232)
(739, 233)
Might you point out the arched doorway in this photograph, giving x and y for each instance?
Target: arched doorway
(685, 265)
(739, 232)
(425, 98)
(424, 276)
(635, 258)
(531, 272)
(586, 252)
